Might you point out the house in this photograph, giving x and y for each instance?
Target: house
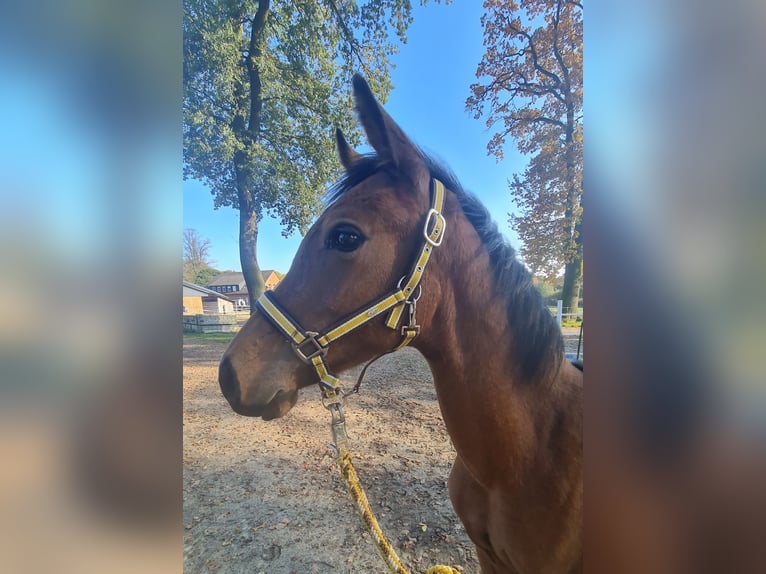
(198, 300)
(232, 284)
(228, 282)
(271, 278)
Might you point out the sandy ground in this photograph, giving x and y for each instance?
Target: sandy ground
(266, 497)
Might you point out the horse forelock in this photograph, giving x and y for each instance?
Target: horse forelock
(361, 169)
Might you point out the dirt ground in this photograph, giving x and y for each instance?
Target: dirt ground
(266, 497)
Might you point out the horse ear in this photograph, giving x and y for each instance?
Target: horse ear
(348, 155)
(385, 137)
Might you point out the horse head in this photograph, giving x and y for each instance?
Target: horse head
(359, 249)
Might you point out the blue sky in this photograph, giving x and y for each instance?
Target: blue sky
(431, 83)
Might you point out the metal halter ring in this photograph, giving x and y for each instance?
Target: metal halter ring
(419, 290)
(318, 349)
(335, 404)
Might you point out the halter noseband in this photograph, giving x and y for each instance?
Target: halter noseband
(311, 346)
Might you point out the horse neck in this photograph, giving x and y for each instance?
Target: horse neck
(486, 404)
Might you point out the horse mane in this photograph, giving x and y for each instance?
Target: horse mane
(537, 337)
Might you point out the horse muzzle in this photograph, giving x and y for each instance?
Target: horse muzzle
(268, 401)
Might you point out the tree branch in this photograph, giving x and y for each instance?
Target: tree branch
(350, 39)
(557, 52)
(204, 96)
(535, 59)
(254, 51)
(540, 120)
(278, 148)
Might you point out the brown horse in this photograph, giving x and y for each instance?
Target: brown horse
(511, 402)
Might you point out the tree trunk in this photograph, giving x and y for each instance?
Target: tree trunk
(248, 240)
(574, 254)
(571, 291)
(573, 274)
(248, 216)
(248, 234)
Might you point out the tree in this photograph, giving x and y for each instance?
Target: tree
(530, 81)
(264, 83)
(550, 289)
(205, 275)
(197, 264)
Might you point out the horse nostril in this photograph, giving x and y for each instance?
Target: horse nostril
(227, 379)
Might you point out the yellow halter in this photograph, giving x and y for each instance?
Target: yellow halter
(311, 346)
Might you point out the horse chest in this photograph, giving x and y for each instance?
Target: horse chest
(508, 540)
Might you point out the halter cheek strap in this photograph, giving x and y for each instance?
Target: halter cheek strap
(311, 346)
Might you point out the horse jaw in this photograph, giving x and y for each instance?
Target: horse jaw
(277, 407)
(280, 405)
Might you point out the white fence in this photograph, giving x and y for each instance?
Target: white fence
(566, 312)
(572, 341)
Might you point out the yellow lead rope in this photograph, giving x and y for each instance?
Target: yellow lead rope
(348, 473)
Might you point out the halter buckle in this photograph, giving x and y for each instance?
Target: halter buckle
(317, 350)
(438, 220)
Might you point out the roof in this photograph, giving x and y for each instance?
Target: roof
(237, 278)
(228, 278)
(265, 274)
(204, 291)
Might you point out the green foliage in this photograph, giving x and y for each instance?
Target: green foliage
(571, 321)
(205, 275)
(198, 274)
(530, 88)
(266, 82)
(550, 290)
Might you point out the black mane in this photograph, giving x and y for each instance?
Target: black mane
(537, 338)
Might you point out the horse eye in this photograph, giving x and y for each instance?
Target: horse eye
(344, 238)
